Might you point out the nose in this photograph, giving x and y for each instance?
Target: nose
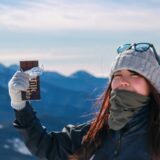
(124, 83)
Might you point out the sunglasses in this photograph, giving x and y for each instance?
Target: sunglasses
(139, 47)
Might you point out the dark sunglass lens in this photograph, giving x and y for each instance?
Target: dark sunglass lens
(122, 48)
(142, 47)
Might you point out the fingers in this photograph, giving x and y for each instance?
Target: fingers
(19, 81)
(20, 74)
(19, 85)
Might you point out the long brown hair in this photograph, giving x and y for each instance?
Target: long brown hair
(93, 139)
(154, 126)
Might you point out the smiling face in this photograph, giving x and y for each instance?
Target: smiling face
(131, 81)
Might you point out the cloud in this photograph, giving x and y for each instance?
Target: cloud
(50, 15)
(54, 54)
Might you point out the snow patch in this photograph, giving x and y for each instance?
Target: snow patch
(6, 146)
(1, 126)
(19, 146)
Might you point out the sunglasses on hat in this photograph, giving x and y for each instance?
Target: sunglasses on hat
(139, 47)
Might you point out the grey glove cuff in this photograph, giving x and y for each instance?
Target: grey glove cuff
(18, 105)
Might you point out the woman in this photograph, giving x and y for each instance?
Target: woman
(127, 125)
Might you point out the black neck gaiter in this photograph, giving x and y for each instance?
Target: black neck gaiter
(124, 105)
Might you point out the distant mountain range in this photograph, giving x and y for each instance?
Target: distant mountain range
(64, 99)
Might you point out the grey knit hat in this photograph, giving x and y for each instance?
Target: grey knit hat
(143, 63)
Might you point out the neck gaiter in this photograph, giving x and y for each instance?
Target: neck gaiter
(124, 105)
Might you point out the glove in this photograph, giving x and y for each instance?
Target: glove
(19, 82)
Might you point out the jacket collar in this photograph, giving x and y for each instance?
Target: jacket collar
(139, 122)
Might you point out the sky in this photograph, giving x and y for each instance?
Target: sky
(71, 35)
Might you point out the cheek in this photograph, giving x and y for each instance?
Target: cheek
(141, 86)
(114, 83)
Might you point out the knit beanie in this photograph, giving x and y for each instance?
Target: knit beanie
(143, 63)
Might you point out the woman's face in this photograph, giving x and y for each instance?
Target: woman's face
(131, 81)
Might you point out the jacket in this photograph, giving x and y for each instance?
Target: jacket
(129, 143)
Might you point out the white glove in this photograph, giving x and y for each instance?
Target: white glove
(19, 82)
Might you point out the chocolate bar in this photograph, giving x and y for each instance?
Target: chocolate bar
(33, 92)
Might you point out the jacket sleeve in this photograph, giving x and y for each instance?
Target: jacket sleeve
(48, 146)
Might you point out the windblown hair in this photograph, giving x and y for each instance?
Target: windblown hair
(99, 126)
(154, 126)
(93, 139)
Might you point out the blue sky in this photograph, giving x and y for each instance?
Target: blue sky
(67, 35)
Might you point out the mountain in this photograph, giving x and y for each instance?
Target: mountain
(78, 81)
(82, 75)
(64, 100)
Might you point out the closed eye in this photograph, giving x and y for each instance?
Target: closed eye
(117, 75)
(135, 75)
